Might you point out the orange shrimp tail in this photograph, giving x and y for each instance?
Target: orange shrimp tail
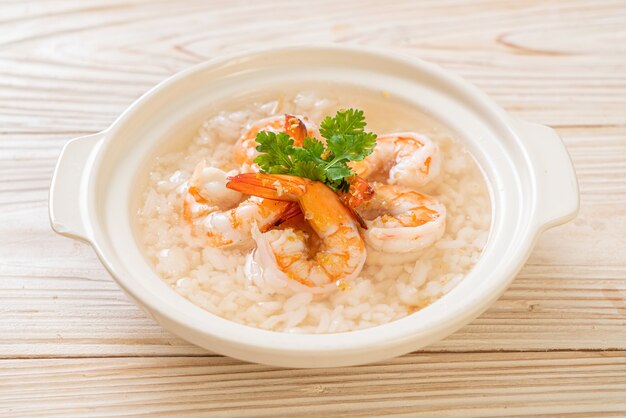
(296, 129)
(357, 217)
(291, 211)
(360, 191)
(269, 186)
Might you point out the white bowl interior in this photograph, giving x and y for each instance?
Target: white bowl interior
(175, 109)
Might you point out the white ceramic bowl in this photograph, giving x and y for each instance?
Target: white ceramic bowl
(532, 180)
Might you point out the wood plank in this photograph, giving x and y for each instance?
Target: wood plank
(450, 385)
(516, 54)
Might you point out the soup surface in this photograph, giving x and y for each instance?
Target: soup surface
(391, 284)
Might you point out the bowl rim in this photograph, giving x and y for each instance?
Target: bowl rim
(362, 340)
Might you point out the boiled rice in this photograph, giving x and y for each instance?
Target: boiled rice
(215, 280)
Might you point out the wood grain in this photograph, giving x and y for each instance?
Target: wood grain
(436, 385)
(68, 68)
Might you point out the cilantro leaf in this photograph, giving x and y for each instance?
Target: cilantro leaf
(350, 121)
(346, 140)
(346, 137)
(338, 172)
(311, 150)
(352, 147)
(309, 169)
(276, 152)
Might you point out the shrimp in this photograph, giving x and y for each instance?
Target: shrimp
(282, 258)
(407, 158)
(401, 220)
(360, 191)
(219, 215)
(297, 127)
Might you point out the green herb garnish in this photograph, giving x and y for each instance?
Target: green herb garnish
(346, 140)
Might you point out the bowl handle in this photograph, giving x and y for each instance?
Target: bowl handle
(68, 183)
(554, 175)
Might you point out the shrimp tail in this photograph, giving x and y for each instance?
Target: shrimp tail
(269, 186)
(357, 217)
(295, 128)
(291, 211)
(360, 191)
(289, 188)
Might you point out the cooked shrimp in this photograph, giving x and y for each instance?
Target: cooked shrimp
(282, 257)
(207, 186)
(215, 212)
(360, 191)
(401, 220)
(407, 158)
(297, 127)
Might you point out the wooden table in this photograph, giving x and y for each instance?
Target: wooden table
(71, 343)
